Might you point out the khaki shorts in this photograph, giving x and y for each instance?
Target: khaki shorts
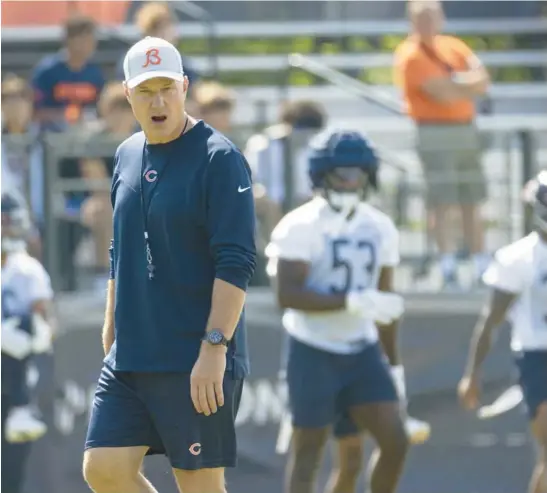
(451, 160)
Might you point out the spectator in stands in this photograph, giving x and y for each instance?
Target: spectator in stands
(215, 105)
(156, 19)
(67, 84)
(440, 78)
(90, 210)
(22, 157)
(267, 153)
(117, 121)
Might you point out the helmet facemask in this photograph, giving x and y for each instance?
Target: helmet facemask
(345, 187)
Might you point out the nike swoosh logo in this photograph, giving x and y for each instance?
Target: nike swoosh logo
(242, 189)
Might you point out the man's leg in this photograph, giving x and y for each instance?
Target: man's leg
(313, 385)
(21, 424)
(442, 198)
(473, 193)
(307, 448)
(383, 421)
(198, 447)
(371, 401)
(201, 481)
(532, 367)
(112, 470)
(120, 434)
(538, 483)
(14, 456)
(350, 459)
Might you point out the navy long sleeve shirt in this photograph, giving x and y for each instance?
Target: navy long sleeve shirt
(198, 207)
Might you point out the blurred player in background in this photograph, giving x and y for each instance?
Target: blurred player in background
(26, 329)
(333, 258)
(518, 278)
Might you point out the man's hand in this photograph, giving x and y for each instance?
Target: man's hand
(380, 306)
(43, 334)
(469, 391)
(207, 378)
(15, 342)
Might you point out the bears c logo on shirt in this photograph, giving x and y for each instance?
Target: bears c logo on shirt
(195, 449)
(151, 176)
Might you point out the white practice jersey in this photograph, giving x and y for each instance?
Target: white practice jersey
(24, 281)
(344, 255)
(521, 268)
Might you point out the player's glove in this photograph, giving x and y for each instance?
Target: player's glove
(41, 342)
(15, 342)
(379, 306)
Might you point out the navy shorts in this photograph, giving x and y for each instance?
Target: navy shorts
(532, 366)
(323, 386)
(155, 410)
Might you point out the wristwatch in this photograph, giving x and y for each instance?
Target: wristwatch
(215, 338)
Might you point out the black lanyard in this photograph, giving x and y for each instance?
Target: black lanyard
(145, 209)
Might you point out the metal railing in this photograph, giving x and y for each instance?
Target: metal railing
(201, 15)
(519, 136)
(382, 99)
(517, 152)
(272, 29)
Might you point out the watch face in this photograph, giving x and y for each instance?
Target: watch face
(215, 337)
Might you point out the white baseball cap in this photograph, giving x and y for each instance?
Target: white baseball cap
(149, 58)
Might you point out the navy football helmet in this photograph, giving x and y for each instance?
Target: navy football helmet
(16, 224)
(343, 164)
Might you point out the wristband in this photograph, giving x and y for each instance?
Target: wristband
(398, 374)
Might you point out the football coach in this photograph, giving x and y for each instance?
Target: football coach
(183, 253)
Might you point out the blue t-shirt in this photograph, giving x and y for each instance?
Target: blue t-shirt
(199, 208)
(56, 85)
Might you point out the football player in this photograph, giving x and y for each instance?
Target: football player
(26, 329)
(518, 280)
(333, 261)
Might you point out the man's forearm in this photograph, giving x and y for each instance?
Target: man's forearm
(480, 344)
(389, 335)
(472, 83)
(226, 307)
(309, 300)
(108, 327)
(491, 318)
(462, 86)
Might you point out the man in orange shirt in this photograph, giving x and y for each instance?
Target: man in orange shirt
(440, 77)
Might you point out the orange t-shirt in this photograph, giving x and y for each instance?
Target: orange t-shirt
(413, 67)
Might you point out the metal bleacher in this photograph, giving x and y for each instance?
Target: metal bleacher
(23, 47)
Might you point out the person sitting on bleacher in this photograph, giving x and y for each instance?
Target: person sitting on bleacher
(214, 105)
(67, 84)
(116, 121)
(155, 19)
(266, 153)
